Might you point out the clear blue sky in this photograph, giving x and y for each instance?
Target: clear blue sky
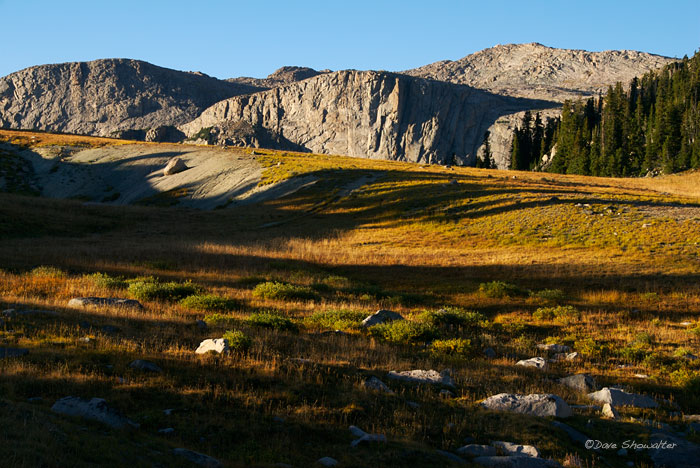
(253, 38)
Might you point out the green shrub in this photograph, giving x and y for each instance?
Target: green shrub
(564, 314)
(549, 295)
(336, 319)
(149, 289)
(48, 272)
(589, 347)
(237, 340)
(499, 289)
(271, 320)
(103, 280)
(207, 302)
(404, 331)
(283, 291)
(453, 316)
(452, 347)
(632, 353)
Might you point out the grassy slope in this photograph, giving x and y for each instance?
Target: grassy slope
(626, 257)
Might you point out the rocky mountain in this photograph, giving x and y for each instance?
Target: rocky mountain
(539, 72)
(280, 77)
(368, 114)
(106, 97)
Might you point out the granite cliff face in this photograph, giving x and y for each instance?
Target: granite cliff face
(282, 76)
(540, 72)
(107, 96)
(370, 114)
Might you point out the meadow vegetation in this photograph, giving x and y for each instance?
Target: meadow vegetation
(608, 267)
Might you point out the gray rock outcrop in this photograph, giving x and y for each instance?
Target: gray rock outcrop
(103, 302)
(477, 450)
(536, 362)
(510, 448)
(146, 366)
(95, 409)
(218, 346)
(370, 114)
(618, 397)
(381, 316)
(374, 384)
(327, 461)
(515, 461)
(106, 96)
(174, 166)
(538, 404)
(580, 382)
(554, 348)
(424, 376)
(197, 458)
(670, 451)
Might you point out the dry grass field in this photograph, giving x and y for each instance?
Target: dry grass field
(501, 249)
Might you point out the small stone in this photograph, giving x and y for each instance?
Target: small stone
(554, 348)
(618, 397)
(35, 399)
(85, 339)
(536, 362)
(581, 382)
(95, 409)
(541, 404)
(84, 302)
(369, 438)
(509, 448)
(373, 383)
(451, 456)
(145, 366)
(198, 458)
(412, 404)
(381, 316)
(201, 324)
(572, 356)
(168, 411)
(219, 346)
(610, 412)
(166, 431)
(489, 353)
(327, 461)
(174, 166)
(424, 376)
(476, 450)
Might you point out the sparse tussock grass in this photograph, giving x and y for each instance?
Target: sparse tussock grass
(209, 302)
(283, 291)
(48, 272)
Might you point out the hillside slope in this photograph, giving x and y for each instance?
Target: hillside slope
(106, 96)
(539, 72)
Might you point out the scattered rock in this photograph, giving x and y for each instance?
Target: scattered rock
(145, 366)
(381, 316)
(365, 438)
(538, 404)
(537, 362)
(610, 412)
(451, 456)
(13, 352)
(683, 454)
(641, 376)
(327, 461)
(490, 353)
(424, 376)
(509, 448)
(333, 332)
(95, 409)
(554, 348)
(198, 458)
(566, 356)
(219, 345)
(103, 302)
(36, 399)
(168, 411)
(618, 397)
(476, 450)
(412, 404)
(373, 383)
(166, 431)
(581, 382)
(164, 133)
(174, 166)
(575, 435)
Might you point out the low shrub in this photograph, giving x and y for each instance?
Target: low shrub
(48, 272)
(453, 316)
(217, 319)
(283, 291)
(149, 289)
(209, 302)
(237, 340)
(499, 289)
(589, 347)
(452, 347)
(404, 332)
(564, 314)
(336, 319)
(549, 295)
(271, 320)
(103, 280)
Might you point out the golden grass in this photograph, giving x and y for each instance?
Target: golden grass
(408, 240)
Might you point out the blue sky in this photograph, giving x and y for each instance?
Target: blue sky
(253, 38)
